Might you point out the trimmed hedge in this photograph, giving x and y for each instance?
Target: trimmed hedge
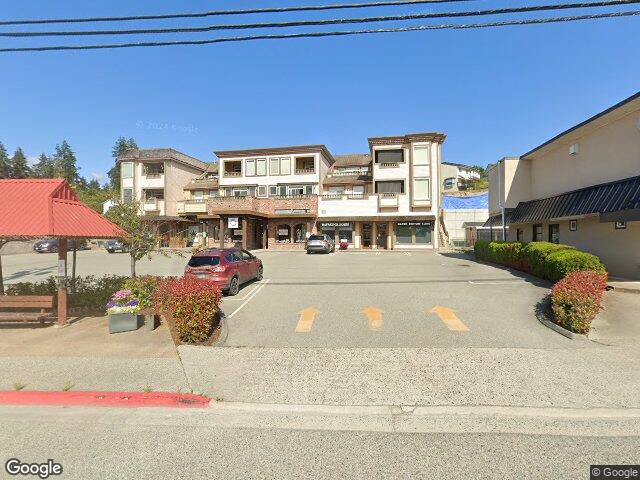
(543, 259)
(577, 299)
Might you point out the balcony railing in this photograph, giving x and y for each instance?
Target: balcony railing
(305, 171)
(192, 206)
(263, 205)
(232, 174)
(345, 196)
(151, 205)
(387, 200)
(389, 165)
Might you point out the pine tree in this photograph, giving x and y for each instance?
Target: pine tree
(44, 168)
(19, 168)
(65, 163)
(4, 162)
(121, 146)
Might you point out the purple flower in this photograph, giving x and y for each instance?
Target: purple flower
(111, 304)
(132, 303)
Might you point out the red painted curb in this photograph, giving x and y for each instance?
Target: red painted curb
(104, 399)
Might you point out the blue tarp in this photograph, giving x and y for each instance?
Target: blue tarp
(474, 202)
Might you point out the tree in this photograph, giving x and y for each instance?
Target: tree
(121, 146)
(64, 161)
(18, 167)
(140, 238)
(4, 162)
(92, 194)
(44, 167)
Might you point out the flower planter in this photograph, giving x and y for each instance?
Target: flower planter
(124, 322)
(149, 321)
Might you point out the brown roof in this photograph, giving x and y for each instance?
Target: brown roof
(352, 160)
(347, 180)
(202, 184)
(408, 138)
(150, 154)
(254, 152)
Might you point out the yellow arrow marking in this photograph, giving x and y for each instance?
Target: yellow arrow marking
(375, 317)
(307, 316)
(450, 319)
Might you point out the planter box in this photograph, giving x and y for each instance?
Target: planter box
(124, 322)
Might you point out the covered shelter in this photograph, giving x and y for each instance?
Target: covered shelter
(49, 208)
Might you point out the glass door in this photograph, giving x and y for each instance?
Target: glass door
(367, 229)
(381, 235)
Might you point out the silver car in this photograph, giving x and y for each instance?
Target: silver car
(320, 243)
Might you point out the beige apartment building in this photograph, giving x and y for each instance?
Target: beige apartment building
(580, 188)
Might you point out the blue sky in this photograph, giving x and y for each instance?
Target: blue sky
(493, 92)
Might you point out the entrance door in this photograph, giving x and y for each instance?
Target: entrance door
(381, 235)
(367, 229)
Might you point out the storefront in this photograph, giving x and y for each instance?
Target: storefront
(414, 234)
(339, 231)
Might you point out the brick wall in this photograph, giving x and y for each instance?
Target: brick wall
(264, 206)
(272, 232)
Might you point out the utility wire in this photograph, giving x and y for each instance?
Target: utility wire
(337, 21)
(535, 21)
(214, 13)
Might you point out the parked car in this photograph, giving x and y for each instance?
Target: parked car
(112, 246)
(228, 268)
(50, 245)
(320, 243)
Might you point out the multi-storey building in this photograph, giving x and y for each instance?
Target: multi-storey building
(580, 188)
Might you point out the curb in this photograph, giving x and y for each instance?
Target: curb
(104, 399)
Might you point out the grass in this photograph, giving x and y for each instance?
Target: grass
(67, 386)
(17, 386)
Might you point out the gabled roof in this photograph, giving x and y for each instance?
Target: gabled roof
(347, 180)
(151, 154)
(291, 150)
(352, 160)
(408, 138)
(34, 208)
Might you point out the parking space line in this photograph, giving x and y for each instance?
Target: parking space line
(249, 292)
(374, 315)
(253, 294)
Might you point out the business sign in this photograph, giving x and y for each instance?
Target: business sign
(283, 231)
(232, 222)
(335, 224)
(428, 223)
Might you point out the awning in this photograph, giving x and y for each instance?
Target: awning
(496, 220)
(609, 200)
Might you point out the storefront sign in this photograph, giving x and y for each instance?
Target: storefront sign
(427, 223)
(335, 224)
(237, 233)
(232, 222)
(283, 231)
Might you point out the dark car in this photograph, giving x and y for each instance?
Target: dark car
(50, 245)
(112, 246)
(228, 268)
(320, 243)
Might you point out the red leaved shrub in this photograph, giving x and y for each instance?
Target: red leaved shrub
(577, 299)
(191, 304)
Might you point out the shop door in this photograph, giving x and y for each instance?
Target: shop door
(367, 229)
(381, 235)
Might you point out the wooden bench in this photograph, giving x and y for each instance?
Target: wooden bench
(37, 309)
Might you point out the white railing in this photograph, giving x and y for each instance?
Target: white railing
(150, 205)
(305, 171)
(388, 200)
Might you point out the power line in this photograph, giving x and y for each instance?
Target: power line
(214, 13)
(536, 21)
(337, 21)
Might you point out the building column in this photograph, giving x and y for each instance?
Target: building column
(357, 235)
(390, 236)
(245, 230)
(221, 234)
(374, 235)
(265, 234)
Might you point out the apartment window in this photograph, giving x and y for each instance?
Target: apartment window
(250, 168)
(273, 190)
(262, 191)
(390, 187)
(358, 189)
(285, 166)
(213, 193)
(421, 189)
(537, 232)
(198, 195)
(336, 190)
(421, 156)
(233, 168)
(305, 165)
(296, 190)
(390, 156)
(127, 169)
(554, 233)
(127, 194)
(274, 166)
(240, 192)
(449, 183)
(261, 166)
(153, 169)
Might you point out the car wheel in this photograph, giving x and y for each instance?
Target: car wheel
(110, 251)
(234, 287)
(260, 273)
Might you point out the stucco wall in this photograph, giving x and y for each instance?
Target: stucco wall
(176, 176)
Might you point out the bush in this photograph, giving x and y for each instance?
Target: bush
(91, 293)
(563, 262)
(142, 289)
(577, 299)
(535, 255)
(190, 304)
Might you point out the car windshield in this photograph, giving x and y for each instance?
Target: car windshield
(204, 261)
(316, 237)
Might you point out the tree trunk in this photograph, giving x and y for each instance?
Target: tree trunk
(133, 266)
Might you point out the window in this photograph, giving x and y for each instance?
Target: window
(519, 235)
(305, 165)
(261, 166)
(127, 169)
(300, 233)
(230, 258)
(273, 190)
(423, 235)
(554, 233)
(358, 189)
(285, 166)
(198, 195)
(421, 156)
(449, 183)
(537, 232)
(240, 192)
(250, 168)
(127, 194)
(204, 261)
(404, 234)
(283, 234)
(213, 193)
(390, 156)
(153, 169)
(274, 166)
(262, 191)
(246, 255)
(414, 233)
(390, 187)
(345, 235)
(421, 189)
(296, 190)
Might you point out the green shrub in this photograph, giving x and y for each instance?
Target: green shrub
(535, 255)
(142, 289)
(481, 249)
(577, 299)
(563, 262)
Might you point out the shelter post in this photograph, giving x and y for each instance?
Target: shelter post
(62, 276)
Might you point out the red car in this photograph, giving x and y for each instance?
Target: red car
(228, 268)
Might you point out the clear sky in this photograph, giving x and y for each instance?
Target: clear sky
(493, 92)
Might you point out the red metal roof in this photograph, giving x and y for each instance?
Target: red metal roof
(48, 208)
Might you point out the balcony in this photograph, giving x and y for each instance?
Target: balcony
(152, 180)
(305, 171)
(232, 174)
(306, 205)
(152, 205)
(387, 200)
(192, 206)
(367, 205)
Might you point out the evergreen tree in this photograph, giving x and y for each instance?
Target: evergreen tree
(64, 161)
(4, 162)
(44, 168)
(121, 146)
(19, 168)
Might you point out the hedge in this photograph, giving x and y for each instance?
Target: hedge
(543, 259)
(577, 299)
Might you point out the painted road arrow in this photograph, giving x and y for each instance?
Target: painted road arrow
(449, 318)
(307, 316)
(375, 317)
